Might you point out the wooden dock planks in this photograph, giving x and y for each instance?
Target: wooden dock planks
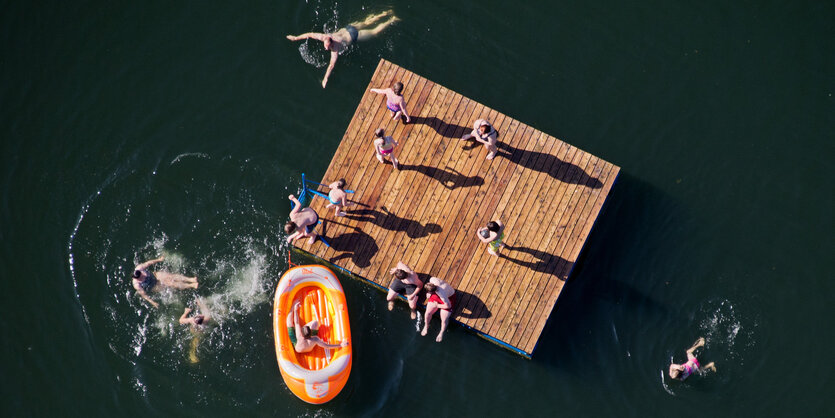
(546, 192)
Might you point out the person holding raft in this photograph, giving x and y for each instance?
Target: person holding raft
(302, 221)
(146, 281)
(439, 296)
(339, 41)
(492, 235)
(395, 102)
(384, 147)
(305, 337)
(405, 282)
(683, 371)
(484, 132)
(338, 198)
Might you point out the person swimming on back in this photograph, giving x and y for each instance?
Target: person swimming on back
(196, 321)
(384, 147)
(395, 101)
(338, 197)
(305, 337)
(683, 371)
(339, 41)
(302, 221)
(145, 281)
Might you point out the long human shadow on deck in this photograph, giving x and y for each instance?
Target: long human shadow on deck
(448, 177)
(545, 262)
(347, 244)
(442, 128)
(388, 220)
(470, 306)
(548, 163)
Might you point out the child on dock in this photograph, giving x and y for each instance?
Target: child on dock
(683, 371)
(439, 296)
(302, 221)
(384, 147)
(395, 101)
(492, 235)
(406, 283)
(338, 198)
(484, 132)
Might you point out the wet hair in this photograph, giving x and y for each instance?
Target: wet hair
(487, 128)
(290, 227)
(430, 287)
(379, 132)
(198, 319)
(137, 274)
(340, 184)
(400, 274)
(493, 226)
(306, 331)
(397, 88)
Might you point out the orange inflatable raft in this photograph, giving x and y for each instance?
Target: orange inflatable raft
(317, 376)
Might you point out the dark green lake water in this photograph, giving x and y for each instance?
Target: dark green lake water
(134, 129)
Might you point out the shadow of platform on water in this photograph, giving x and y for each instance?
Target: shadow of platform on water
(448, 177)
(448, 130)
(387, 220)
(548, 163)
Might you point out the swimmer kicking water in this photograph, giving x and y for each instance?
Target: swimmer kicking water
(145, 281)
(683, 371)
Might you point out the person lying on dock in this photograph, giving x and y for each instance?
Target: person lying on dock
(339, 41)
(145, 281)
(404, 282)
(492, 235)
(395, 101)
(484, 132)
(302, 221)
(439, 295)
(308, 333)
(338, 197)
(683, 371)
(384, 147)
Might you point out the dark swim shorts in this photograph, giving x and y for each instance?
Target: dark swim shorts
(403, 288)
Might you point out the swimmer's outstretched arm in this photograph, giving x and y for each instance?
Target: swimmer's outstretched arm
(145, 296)
(184, 317)
(149, 263)
(334, 56)
(315, 35)
(297, 205)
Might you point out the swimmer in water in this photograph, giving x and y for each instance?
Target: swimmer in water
(197, 324)
(306, 337)
(146, 281)
(339, 41)
(683, 371)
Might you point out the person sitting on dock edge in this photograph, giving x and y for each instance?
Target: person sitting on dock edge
(305, 337)
(484, 132)
(439, 296)
(338, 198)
(395, 101)
(683, 371)
(302, 221)
(339, 41)
(406, 283)
(146, 281)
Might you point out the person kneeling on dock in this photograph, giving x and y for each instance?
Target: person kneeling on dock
(683, 371)
(484, 132)
(302, 221)
(145, 281)
(406, 283)
(439, 295)
(308, 333)
(338, 198)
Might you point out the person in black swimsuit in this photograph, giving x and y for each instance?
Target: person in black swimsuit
(405, 282)
(145, 281)
(339, 41)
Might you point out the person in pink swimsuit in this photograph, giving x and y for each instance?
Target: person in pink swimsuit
(395, 101)
(683, 371)
(384, 147)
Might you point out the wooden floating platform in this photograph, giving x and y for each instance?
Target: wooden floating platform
(548, 194)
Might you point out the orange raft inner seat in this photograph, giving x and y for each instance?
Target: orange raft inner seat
(319, 375)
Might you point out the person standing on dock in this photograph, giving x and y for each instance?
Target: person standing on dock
(384, 147)
(338, 198)
(146, 281)
(683, 371)
(395, 101)
(492, 235)
(484, 132)
(439, 296)
(407, 283)
(339, 41)
(302, 221)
